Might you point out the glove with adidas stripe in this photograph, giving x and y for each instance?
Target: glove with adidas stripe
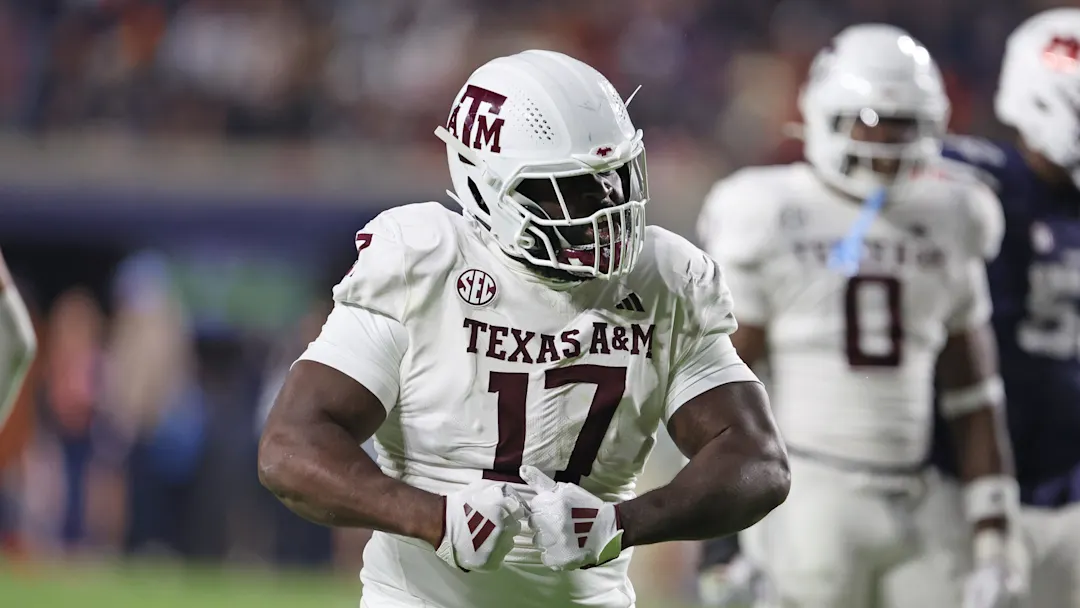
(480, 523)
(572, 528)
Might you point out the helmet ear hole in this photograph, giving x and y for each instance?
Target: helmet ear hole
(473, 190)
(476, 197)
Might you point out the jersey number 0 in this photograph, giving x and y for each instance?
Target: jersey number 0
(874, 333)
(512, 388)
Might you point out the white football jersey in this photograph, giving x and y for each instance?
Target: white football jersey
(486, 367)
(852, 360)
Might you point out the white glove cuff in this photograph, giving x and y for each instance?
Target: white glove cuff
(445, 551)
(991, 496)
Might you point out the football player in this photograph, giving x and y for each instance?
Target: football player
(515, 363)
(17, 342)
(859, 276)
(1035, 284)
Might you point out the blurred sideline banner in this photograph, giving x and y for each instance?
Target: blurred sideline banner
(49, 185)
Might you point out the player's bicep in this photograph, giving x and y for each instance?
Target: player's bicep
(737, 411)
(967, 373)
(348, 375)
(713, 363)
(365, 346)
(315, 395)
(968, 358)
(968, 362)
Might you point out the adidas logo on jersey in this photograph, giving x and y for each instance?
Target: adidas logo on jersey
(582, 528)
(632, 303)
(480, 526)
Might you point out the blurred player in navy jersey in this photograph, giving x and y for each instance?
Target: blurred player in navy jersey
(1035, 286)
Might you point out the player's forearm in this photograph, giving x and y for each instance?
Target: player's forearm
(982, 453)
(726, 487)
(982, 444)
(324, 476)
(971, 398)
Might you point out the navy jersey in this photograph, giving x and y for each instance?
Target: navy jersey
(1035, 286)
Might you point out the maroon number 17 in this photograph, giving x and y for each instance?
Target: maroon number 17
(512, 388)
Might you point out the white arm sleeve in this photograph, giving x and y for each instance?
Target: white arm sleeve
(364, 346)
(712, 364)
(972, 307)
(17, 347)
(708, 359)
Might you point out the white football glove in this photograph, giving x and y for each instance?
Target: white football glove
(481, 522)
(999, 578)
(572, 528)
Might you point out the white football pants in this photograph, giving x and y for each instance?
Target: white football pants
(403, 573)
(838, 537)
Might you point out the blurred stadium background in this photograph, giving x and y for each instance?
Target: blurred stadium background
(180, 181)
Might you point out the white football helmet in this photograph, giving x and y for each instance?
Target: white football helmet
(541, 115)
(1039, 90)
(869, 73)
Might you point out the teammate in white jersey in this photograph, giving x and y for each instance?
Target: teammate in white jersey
(515, 364)
(858, 276)
(17, 342)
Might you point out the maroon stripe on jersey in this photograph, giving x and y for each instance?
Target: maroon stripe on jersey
(506, 476)
(582, 513)
(475, 521)
(581, 542)
(483, 534)
(468, 510)
(582, 527)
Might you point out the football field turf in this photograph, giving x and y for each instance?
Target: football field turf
(25, 586)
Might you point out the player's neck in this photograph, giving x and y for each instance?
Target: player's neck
(847, 196)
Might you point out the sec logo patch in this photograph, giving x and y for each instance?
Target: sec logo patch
(476, 287)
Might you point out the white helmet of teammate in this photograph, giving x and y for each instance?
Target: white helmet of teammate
(872, 74)
(1039, 90)
(543, 118)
